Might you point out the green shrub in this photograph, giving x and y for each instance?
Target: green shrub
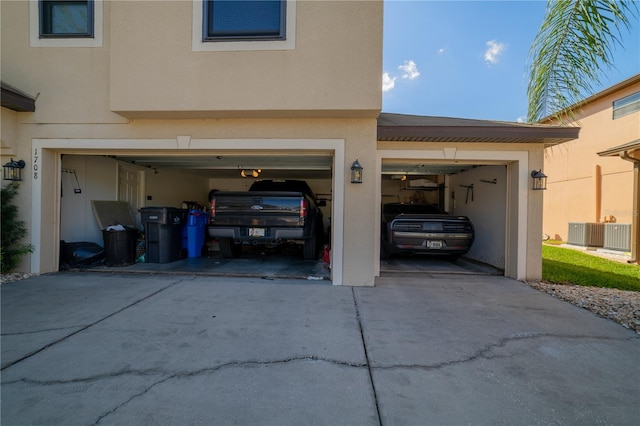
(12, 231)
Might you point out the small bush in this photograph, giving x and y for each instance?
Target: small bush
(12, 231)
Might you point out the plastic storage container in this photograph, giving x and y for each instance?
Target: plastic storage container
(195, 232)
(119, 246)
(163, 233)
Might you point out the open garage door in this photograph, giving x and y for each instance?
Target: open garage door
(488, 192)
(443, 244)
(177, 180)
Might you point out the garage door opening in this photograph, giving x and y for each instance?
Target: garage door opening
(173, 180)
(425, 206)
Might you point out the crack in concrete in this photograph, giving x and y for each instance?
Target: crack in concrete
(484, 353)
(55, 342)
(232, 364)
(44, 330)
(366, 354)
(182, 374)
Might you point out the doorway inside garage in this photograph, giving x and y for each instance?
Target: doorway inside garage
(175, 179)
(460, 190)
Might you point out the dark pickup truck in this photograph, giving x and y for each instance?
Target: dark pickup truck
(271, 213)
(425, 229)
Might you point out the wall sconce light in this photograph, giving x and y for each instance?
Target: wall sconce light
(250, 172)
(356, 172)
(13, 170)
(539, 180)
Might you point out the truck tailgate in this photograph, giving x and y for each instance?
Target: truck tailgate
(257, 209)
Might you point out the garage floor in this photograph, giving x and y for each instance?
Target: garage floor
(288, 263)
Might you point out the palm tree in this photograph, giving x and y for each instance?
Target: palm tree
(571, 50)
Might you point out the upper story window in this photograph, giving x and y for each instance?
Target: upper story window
(627, 105)
(66, 18)
(244, 20)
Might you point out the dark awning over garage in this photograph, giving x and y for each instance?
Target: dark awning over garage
(16, 99)
(414, 128)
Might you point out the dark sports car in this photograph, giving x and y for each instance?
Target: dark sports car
(424, 228)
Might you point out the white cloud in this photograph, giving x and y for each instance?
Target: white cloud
(441, 51)
(521, 119)
(493, 52)
(409, 69)
(388, 82)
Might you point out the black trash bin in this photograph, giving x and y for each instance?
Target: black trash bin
(163, 233)
(119, 246)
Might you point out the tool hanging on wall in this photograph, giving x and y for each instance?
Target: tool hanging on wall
(76, 184)
(494, 181)
(469, 191)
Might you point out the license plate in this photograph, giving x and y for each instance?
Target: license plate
(434, 244)
(256, 232)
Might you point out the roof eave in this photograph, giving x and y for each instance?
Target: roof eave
(15, 99)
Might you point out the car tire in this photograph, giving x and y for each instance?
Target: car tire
(384, 253)
(228, 249)
(310, 249)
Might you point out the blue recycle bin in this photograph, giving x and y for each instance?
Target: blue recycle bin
(194, 233)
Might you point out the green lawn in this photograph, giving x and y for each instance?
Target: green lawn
(568, 266)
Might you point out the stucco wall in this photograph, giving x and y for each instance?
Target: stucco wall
(571, 168)
(336, 63)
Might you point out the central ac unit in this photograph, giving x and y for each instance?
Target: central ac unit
(586, 234)
(617, 236)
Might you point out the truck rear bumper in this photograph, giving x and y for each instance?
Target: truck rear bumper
(271, 235)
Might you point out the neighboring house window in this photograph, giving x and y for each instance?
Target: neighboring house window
(225, 20)
(626, 105)
(66, 18)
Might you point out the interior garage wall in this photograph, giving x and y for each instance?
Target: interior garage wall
(168, 188)
(487, 210)
(98, 180)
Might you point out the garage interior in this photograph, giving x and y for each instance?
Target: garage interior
(184, 181)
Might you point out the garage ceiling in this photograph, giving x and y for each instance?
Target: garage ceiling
(278, 166)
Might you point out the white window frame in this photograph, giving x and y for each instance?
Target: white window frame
(627, 105)
(197, 45)
(34, 29)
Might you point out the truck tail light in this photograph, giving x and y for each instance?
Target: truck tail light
(213, 208)
(303, 211)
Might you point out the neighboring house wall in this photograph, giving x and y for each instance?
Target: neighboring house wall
(573, 167)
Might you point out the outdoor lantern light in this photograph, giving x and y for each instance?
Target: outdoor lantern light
(356, 172)
(13, 170)
(539, 180)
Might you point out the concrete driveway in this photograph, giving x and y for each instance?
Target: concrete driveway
(103, 348)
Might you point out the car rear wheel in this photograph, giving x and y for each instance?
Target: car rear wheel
(228, 249)
(310, 249)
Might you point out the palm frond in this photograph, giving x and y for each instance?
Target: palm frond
(571, 50)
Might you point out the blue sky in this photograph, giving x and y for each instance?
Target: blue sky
(468, 59)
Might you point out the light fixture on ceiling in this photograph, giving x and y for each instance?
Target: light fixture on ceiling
(250, 172)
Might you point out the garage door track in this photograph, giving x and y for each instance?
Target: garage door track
(102, 348)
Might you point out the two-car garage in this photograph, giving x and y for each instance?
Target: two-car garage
(469, 167)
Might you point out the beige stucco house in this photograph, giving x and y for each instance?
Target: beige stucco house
(155, 103)
(589, 181)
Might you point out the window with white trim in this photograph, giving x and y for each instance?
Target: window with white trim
(243, 20)
(66, 18)
(627, 105)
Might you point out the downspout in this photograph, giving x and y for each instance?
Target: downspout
(635, 225)
(598, 175)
